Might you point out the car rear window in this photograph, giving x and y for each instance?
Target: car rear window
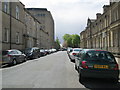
(4, 52)
(99, 55)
(76, 49)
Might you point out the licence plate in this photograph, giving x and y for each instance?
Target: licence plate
(101, 66)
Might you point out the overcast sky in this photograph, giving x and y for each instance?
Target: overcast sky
(70, 16)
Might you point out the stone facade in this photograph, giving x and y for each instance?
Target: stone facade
(12, 25)
(21, 29)
(0, 26)
(47, 24)
(104, 31)
(30, 33)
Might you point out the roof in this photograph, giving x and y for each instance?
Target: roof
(42, 9)
(92, 20)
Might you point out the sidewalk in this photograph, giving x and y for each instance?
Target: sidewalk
(118, 60)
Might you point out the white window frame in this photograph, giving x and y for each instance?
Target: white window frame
(6, 6)
(17, 12)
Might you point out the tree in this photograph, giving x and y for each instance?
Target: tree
(66, 36)
(65, 44)
(72, 40)
(57, 43)
(68, 39)
(75, 40)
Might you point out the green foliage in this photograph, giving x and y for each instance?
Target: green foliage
(66, 37)
(57, 43)
(72, 40)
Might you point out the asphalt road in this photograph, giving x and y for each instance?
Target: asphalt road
(51, 71)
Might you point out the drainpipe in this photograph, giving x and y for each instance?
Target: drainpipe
(10, 25)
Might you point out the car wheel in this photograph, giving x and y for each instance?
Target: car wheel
(115, 80)
(76, 67)
(72, 60)
(39, 56)
(25, 59)
(14, 62)
(81, 78)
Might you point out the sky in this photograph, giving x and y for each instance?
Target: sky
(70, 16)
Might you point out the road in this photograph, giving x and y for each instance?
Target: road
(51, 71)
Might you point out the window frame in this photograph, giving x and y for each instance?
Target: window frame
(17, 12)
(17, 37)
(6, 35)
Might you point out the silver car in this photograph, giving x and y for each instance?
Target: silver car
(73, 54)
(12, 57)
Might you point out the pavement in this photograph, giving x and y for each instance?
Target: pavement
(52, 71)
(118, 60)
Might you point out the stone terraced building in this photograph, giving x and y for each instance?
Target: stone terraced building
(104, 31)
(21, 29)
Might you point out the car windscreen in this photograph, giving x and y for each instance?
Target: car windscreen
(28, 50)
(99, 55)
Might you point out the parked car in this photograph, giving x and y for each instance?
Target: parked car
(68, 51)
(73, 53)
(47, 51)
(43, 53)
(50, 50)
(12, 57)
(96, 64)
(54, 50)
(63, 49)
(32, 53)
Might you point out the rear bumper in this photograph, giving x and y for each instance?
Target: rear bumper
(6, 61)
(72, 57)
(100, 73)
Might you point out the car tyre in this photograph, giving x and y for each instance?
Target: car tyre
(14, 62)
(76, 68)
(73, 61)
(81, 78)
(115, 80)
(25, 59)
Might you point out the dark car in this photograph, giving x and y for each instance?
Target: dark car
(32, 53)
(12, 57)
(97, 64)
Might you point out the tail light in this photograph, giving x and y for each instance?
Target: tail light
(116, 67)
(74, 54)
(84, 64)
(9, 55)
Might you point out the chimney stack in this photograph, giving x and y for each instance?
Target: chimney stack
(105, 7)
(98, 15)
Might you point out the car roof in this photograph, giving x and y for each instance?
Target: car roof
(11, 50)
(86, 50)
(77, 48)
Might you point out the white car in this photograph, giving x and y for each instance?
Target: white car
(73, 54)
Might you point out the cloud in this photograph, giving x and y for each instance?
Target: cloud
(70, 15)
